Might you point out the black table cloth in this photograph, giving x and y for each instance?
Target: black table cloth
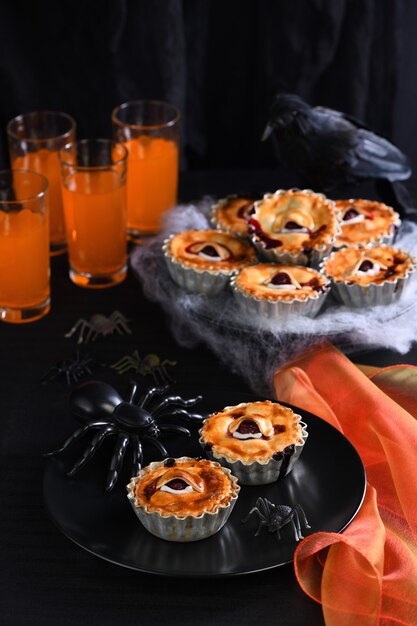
(45, 578)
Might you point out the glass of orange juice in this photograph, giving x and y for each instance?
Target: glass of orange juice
(24, 246)
(34, 142)
(150, 130)
(93, 173)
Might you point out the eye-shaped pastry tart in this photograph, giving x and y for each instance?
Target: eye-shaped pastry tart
(202, 261)
(183, 499)
(365, 222)
(368, 276)
(294, 226)
(231, 214)
(279, 292)
(259, 442)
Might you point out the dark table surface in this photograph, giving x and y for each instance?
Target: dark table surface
(45, 578)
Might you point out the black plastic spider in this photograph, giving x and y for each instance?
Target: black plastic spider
(73, 368)
(133, 422)
(276, 516)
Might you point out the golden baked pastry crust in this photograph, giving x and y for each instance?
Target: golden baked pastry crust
(212, 489)
(389, 264)
(255, 281)
(186, 248)
(230, 214)
(311, 211)
(377, 220)
(285, 425)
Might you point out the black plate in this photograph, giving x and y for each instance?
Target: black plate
(328, 481)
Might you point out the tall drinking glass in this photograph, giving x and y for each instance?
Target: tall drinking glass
(150, 130)
(94, 193)
(24, 246)
(34, 142)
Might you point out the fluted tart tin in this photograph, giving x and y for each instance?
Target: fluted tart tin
(203, 261)
(260, 442)
(367, 276)
(294, 226)
(366, 223)
(189, 512)
(279, 293)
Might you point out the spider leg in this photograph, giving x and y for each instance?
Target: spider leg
(295, 523)
(79, 324)
(253, 510)
(176, 400)
(120, 323)
(157, 444)
(150, 394)
(192, 417)
(174, 428)
(124, 364)
(137, 455)
(117, 460)
(75, 436)
(300, 511)
(88, 452)
(91, 334)
(265, 507)
(262, 522)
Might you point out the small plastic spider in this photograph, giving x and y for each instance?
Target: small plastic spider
(99, 325)
(149, 364)
(133, 423)
(276, 516)
(73, 368)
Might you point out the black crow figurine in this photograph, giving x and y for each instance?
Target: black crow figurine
(329, 150)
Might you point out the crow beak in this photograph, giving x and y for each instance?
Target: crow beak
(267, 132)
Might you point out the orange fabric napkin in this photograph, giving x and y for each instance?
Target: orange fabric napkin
(368, 574)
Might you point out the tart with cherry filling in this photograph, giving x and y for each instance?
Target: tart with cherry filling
(280, 292)
(231, 214)
(183, 499)
(203, 260)
(366, 222)
(294, 226)
(368, 276)
(259, 442)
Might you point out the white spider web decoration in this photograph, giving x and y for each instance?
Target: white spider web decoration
(255, 348)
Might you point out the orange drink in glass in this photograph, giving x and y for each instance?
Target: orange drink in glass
(94, 195)
(34, 142)
(24, 246)
(150, 131)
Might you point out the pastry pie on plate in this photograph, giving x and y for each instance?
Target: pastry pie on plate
(202, 261)
(183, 499)
(259, 442)
(294, 226)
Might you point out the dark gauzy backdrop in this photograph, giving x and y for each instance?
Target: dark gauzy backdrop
(220, 61)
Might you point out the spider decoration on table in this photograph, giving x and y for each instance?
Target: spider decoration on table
(276, 516)
(149, 364)
(99, 325)
(133, 422)
(73, 368)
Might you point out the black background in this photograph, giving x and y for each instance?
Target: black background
(220, 62)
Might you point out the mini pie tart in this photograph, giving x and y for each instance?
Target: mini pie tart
(183, 499)
(294, 226)
(365, 222)
(367, 276)
(259, 442)
(203, 260)
(280, 292)
(231, 214)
